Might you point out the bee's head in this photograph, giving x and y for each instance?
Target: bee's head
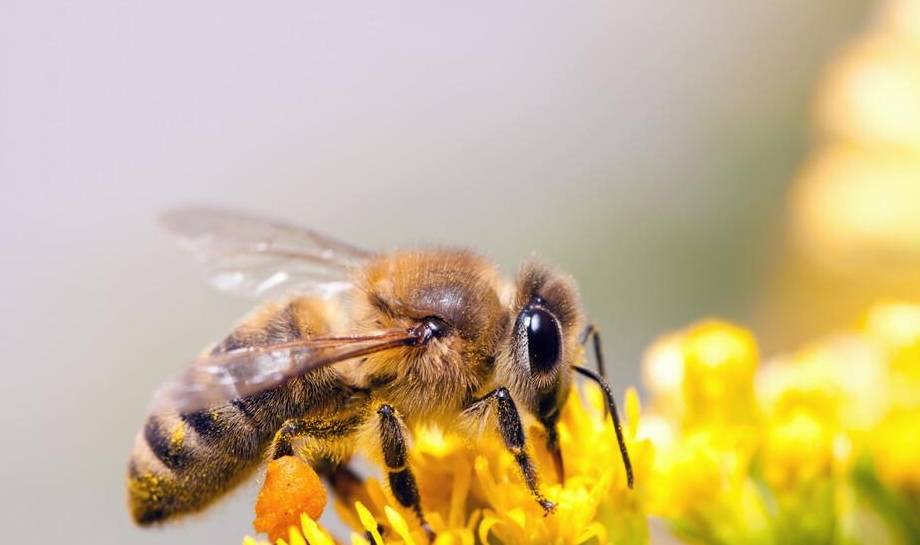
(543, 342)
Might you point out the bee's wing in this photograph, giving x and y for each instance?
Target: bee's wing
(257, 257)
(213, 380)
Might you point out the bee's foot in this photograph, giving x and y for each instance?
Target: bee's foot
(548, 506)
(429, 532)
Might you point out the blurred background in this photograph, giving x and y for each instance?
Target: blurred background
(657, 151)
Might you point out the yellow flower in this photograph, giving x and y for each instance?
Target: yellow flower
(704, 375)
(821, 441)
(843, 415)
(870, 94)
(704, 432)
(895, 445)
(896, 450)
(852, 201)
(719, 364)
(474, 494)
(896, 327)
(701, 422)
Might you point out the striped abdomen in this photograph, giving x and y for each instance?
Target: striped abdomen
(182, 462)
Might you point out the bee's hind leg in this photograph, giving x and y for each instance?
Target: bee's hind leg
(402, 481)
(323, 434)
(345, 482)
(512, 432)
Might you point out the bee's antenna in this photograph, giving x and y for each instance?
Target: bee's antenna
(595, 335)
(611, 405)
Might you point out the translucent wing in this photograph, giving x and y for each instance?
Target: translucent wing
(256, 257)
(211, 381)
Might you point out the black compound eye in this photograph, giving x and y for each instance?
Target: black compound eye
(544, 344)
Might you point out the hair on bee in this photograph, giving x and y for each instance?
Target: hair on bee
(351, 352)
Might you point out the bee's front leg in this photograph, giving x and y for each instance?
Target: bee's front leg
(552, 445)
(512, 432)
(402, 481)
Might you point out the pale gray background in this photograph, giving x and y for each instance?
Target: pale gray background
(643, 146)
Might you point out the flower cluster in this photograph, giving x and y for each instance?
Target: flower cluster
(817, 447)
(474, 493)
(855, 197)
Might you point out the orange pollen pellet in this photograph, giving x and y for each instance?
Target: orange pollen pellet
(291, 487)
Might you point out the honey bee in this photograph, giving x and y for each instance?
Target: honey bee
(352, 350)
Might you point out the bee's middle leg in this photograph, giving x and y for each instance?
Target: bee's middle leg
(512, 432)
(395, 456)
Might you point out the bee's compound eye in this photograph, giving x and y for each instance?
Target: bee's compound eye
(544, 343)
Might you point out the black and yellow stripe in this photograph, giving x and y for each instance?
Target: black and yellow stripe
(182, 462)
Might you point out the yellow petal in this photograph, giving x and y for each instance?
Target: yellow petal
(295, 537)
(632, 410)
(369, 522)
(595, 529)
(313, 533)
(357, 539)
(459, 493)
(487, 523)
(398, 524)
(474, 518)
(518, 516)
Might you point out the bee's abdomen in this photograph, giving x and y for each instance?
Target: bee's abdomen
(182, 462)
